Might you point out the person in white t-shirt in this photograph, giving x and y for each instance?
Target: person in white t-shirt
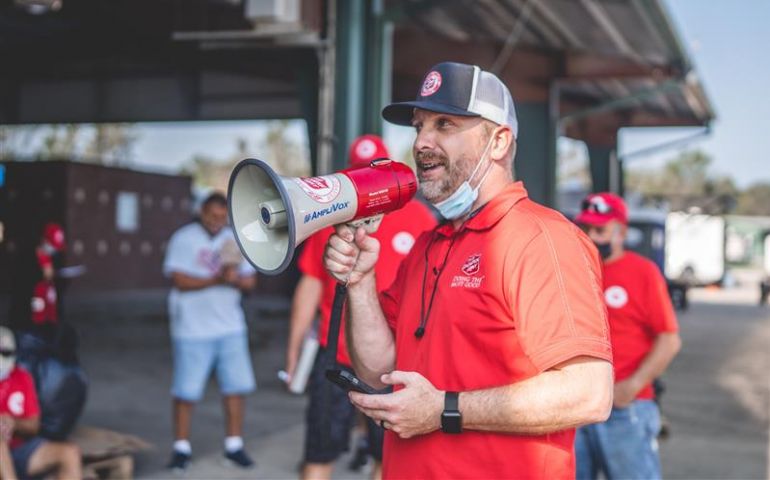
(208, 328)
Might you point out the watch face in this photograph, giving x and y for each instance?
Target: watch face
(451, 422)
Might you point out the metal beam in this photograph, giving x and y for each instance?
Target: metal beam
(601, 17)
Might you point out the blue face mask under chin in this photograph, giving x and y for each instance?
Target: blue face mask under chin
(461, 200)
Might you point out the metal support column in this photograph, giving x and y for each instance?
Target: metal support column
(600, 158)
(350, 70)
(535, 161)
(379, 70)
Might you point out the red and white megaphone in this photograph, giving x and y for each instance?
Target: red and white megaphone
(271, 214)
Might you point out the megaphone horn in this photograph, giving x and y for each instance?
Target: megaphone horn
(271, 215)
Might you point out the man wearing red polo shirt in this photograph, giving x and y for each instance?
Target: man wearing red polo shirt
(644, 336)
(315, 292)
(494, 334)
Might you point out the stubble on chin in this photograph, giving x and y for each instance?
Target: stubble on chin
(435, 191)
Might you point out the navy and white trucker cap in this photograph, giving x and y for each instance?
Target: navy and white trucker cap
(459, 89)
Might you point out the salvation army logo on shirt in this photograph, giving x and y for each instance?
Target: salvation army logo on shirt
(403, 242)
(472, 264)
(616, 297)
(366, 149)
(431, 84)
(16, 403)
(320, 189)
(210, 260)
(37, 304)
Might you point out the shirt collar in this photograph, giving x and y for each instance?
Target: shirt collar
(491, 212)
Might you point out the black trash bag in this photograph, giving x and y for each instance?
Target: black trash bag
(61, 383)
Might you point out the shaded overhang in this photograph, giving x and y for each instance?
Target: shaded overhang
(154, 60)
(610, 63)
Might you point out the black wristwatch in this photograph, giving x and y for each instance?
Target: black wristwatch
(451, 419)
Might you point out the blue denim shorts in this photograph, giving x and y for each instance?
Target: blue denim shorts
(23, 453)
(623, 447)
(195, 358)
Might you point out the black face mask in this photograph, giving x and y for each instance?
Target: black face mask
(605, 249)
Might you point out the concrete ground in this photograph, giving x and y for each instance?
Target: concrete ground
(717, 399)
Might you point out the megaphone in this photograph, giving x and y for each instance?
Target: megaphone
(271, 215)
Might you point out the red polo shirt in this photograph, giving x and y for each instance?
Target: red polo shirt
(639, 310)
(397, 234)
(517, 292)
(18, 398)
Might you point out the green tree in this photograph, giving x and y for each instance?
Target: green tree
(287, 156)
(105, 144)
(755, 200)
(111, 144)
(282, 152)
(60, 142)
(684, 182)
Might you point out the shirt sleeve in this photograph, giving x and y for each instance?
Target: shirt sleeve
(311, 259)
(390, 298)
(662, 318)
(31, 404)
(556, 301)
(178, 257)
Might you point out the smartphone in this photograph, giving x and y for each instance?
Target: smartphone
(347, 381)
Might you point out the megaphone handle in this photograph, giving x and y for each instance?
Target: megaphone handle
(335, 320)
(370, 224)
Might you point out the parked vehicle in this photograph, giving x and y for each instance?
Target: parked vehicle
(695, 249)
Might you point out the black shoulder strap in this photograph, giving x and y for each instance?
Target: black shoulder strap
(335, 320)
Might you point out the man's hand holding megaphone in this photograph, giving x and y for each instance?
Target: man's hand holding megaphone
(351, 254)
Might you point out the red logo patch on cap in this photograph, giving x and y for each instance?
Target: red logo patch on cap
(431, 84)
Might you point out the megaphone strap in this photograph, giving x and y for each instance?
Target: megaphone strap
(335, 321)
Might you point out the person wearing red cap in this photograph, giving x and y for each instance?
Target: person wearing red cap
(494, 335)
(44, 294)
(643, 329)
(315, 293)
(34, 299)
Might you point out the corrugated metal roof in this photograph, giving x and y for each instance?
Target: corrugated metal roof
(638, 32)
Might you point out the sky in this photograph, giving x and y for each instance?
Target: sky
(726, 40)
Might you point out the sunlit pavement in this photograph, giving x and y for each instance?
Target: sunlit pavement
(719, 387)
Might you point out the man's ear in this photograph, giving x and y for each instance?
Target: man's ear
(622, 230)
(502, 142)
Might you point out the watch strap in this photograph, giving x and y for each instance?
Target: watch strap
(451, 401)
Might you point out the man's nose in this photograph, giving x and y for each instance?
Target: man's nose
(425, 140)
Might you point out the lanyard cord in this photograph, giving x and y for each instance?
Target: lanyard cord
(423, 314)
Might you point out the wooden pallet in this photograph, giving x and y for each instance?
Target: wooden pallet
(107, 454)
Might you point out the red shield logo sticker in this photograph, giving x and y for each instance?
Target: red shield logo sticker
(431, 84)
(316, 183)
(471, 265)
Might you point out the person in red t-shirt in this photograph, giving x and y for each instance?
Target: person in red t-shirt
(20, 422)
(493, 335)
(645, 339)
(315, 293)
(44, 296)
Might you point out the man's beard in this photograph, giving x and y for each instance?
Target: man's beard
(455, 173)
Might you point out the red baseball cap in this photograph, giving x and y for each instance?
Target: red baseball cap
(600, 208)
(366, 148)
(54, 235)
